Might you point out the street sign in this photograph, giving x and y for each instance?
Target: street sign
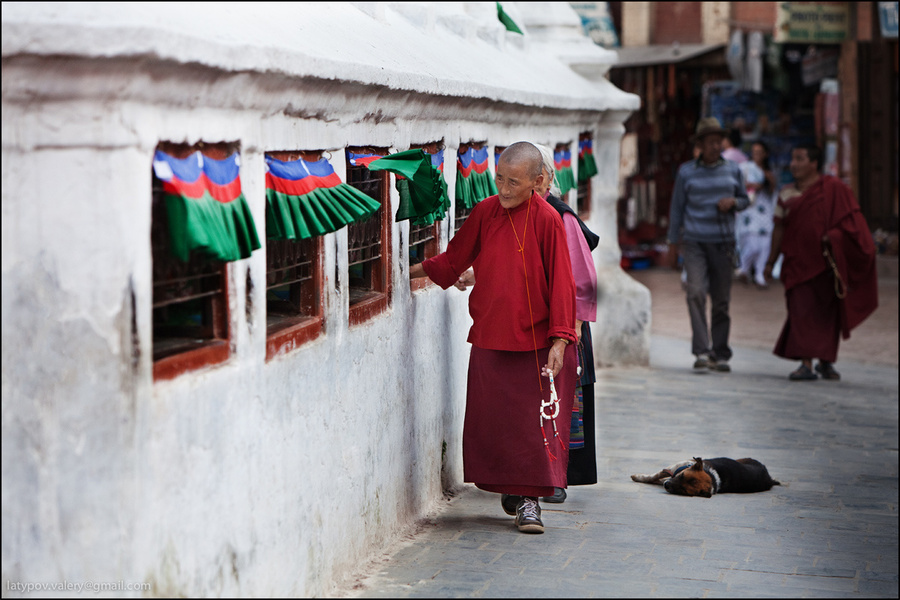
(813, 22)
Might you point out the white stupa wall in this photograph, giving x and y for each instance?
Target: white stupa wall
(253, 477)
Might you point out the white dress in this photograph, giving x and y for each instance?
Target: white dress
(753, 225)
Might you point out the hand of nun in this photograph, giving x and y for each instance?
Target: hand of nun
(465, 280)
(555, 359)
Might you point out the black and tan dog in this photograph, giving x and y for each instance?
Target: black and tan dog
(704, 478)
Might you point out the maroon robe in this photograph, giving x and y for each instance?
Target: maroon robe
(817, 317)
(503, 449)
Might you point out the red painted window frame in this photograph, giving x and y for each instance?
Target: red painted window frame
(378, 300)
(217, 350)
(293, 333)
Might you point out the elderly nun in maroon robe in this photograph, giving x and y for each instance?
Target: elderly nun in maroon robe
(523, 312)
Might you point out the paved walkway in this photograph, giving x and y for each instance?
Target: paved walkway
(831, 529)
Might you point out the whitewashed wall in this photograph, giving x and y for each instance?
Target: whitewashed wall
(252, 477)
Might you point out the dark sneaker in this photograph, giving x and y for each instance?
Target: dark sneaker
(719, 365)
(826, 369)
(558, 497)
(528, 516)
(509, 503)
(803, 373)
(702, 362)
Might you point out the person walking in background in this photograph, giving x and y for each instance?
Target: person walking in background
(523, 314)
(582, 467)
(754, 225)
(829, 271)
(731, 147)
(707, 192)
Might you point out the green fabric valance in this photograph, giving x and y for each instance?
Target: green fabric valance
(474, 181)
(206, 209)
(423, 192)
(306, 199)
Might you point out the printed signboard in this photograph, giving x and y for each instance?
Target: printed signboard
(813, 22)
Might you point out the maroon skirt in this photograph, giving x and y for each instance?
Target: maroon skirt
(503, 433)
(813, 326)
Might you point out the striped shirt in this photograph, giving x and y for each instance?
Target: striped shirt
(694, 215)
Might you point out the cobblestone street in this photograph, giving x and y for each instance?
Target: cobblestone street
(831, 529)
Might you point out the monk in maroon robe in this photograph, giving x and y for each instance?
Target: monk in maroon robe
(829, 266)
(523, 312)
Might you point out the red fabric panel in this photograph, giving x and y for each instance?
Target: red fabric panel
(299, 187)
(223, 193)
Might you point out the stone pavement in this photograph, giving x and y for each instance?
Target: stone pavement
(831, 529)
(757, 316)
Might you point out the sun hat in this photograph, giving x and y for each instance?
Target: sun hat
(708, 126)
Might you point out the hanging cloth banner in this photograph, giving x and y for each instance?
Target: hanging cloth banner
(474, 181)
(437, 161)
(362, 160)
(306, 199)
(587, 166)
(205, 206)
(507, 21)
(565, 179)
(423, 192)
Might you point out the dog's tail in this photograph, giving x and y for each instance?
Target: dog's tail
(776, 482)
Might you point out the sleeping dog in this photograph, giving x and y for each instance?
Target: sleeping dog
(704, 478)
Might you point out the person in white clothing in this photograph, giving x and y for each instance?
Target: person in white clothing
(754, 225)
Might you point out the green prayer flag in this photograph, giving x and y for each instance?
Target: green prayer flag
(224, 231)
(587, 167)
(565, 180)
(507, 22)
(425, 195)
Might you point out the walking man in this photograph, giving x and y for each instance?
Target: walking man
(708, 191)
(829, 271)
(523, 313)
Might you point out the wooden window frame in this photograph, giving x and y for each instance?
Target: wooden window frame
(460, 214)
(430, 250)
(377, 300)
(307, 295)
(583, 199)
(217, 347)
(431, 244)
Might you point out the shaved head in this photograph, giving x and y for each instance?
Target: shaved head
(518, 174)
(526, 154)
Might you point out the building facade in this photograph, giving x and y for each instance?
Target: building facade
(781, 72)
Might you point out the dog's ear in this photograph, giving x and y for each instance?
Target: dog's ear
(698, 464)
